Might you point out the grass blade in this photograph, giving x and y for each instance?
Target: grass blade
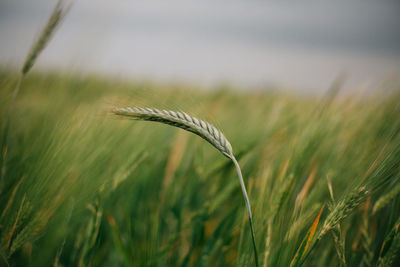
(305, 244)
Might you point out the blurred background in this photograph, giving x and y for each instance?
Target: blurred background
(249, 44)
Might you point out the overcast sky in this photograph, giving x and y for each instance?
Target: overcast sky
(301, 44)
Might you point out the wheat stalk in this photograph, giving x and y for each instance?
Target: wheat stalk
(344, 209)
(385, 199)
(201, 128)
(59, 12)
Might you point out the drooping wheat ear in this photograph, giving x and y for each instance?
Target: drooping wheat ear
(201, 128)
(181, 120)
(59, 13)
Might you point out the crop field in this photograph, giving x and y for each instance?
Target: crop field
(101, 171)
(83, 187)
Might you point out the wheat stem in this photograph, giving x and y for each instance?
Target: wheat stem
(246, 198)
(37, 47)
(6, 128)
(201, 128)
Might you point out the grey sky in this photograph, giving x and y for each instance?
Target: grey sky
(304, 44)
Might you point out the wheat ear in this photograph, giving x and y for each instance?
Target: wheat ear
(201, 128)
(59, 12)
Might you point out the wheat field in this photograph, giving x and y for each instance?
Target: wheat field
(85, 188)
(80, 186)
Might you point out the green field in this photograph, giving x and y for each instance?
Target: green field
(82, 187)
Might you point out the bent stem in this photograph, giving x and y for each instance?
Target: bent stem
(3, 153)
(246, 198)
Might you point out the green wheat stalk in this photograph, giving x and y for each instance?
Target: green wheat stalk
(201, 128)
(58, 14)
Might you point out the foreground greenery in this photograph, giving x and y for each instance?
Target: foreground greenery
(83, 188)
